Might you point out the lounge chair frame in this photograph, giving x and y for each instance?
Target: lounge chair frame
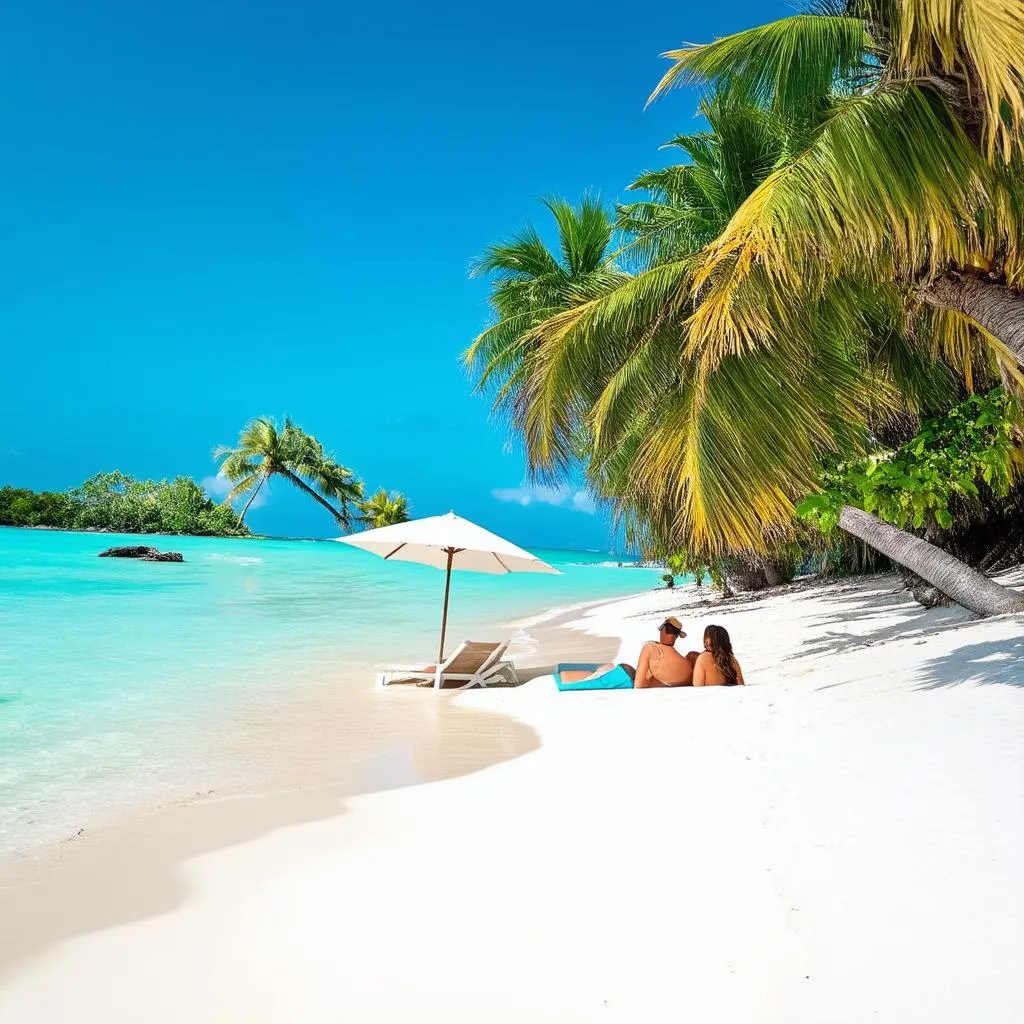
(472, 663)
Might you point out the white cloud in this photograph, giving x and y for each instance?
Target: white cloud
(217, 488)
(573, 498)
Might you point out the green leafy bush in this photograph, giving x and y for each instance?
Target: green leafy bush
(924, 481)
(21, 507)
(118, 502)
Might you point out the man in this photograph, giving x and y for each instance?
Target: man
(660, 663)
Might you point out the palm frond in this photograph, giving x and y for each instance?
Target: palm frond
(978, 45)
(584, 233)
(577, 349)
(889, 174)
(244, 485)
(786, 65)
(525, 255)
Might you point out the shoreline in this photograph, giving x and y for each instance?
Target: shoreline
(801, 845)
(215, 660)
(274, 742)
(460, 741)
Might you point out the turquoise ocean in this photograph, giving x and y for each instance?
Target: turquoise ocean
(108, 666)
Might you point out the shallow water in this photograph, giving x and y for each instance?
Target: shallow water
(114, 674)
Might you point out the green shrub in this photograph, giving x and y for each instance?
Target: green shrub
(925, 481)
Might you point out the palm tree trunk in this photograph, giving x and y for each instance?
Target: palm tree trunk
(245, 507)
(999, 309)
(339, 516)
(958, 581)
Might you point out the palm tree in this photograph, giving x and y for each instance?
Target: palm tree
(908, 164)
(328, 478)
(712, 452)
(383, 509)
(530, 283)
(618, 366)
(265, 451)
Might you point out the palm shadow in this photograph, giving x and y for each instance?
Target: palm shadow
(866, 613)
(992, 663)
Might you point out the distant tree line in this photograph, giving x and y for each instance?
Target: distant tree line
(118, 502)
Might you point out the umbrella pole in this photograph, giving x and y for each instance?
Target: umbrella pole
(444, 615)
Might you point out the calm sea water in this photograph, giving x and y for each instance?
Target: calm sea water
(107, 665)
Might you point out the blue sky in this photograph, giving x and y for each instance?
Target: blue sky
(217, 210)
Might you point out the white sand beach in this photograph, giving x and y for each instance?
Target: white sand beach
(838, 841)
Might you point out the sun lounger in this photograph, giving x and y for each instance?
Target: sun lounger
(470, 664)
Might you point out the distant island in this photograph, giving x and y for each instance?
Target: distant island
(118, 503)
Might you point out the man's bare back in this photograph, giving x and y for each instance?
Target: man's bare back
(662, 665)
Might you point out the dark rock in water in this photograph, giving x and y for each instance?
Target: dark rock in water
(133, 551)
(146, 553)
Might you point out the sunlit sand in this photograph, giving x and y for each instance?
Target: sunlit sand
(837, 841)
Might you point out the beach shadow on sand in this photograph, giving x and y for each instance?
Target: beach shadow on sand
(132, 872)
(992, 663)
(866, 611)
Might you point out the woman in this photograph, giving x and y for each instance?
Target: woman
(716, 665)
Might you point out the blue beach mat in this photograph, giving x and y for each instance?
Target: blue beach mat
(616, 678)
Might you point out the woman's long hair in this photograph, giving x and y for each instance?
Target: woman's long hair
(716, 639)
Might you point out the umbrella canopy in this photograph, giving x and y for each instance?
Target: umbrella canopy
(447, 542)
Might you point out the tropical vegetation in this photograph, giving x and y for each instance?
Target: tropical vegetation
(835, 264)
(266, 451)
(383, 509)
(119, 503)
(955, 482)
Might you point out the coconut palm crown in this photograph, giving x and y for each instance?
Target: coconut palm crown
(265, 451)
(383, 509)
(908, 166)
(530, 283)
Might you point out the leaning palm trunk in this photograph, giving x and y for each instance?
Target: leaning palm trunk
(997, 308)
(340, 515)
(956, 580)
(252, 497)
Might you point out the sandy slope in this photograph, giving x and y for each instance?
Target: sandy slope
(839, 841)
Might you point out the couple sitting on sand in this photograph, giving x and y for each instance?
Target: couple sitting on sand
(661, 664)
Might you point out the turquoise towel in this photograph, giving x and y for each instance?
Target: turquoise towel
(616, 678)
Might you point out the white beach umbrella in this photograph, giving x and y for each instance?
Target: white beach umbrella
(447, 542)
